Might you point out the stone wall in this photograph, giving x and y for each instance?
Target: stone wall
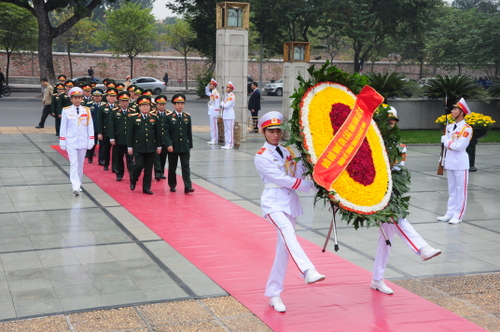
(421, 113)
(118, 67)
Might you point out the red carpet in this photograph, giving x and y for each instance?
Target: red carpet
(235, 248)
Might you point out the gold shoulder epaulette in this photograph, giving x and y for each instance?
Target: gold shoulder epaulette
(187, 113)
(132, 114)
(262, 149)
(167, 112)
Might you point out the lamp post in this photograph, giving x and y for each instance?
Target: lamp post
(296, 57)
(231, 62)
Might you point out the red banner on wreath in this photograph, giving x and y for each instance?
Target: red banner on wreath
(347, 140)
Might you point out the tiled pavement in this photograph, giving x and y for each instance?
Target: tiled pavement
(86, 264)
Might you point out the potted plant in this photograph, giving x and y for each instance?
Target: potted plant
(480, 123)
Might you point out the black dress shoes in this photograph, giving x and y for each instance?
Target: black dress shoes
(132, 185)
(157, 178)
(119, 178)
(147, 191)
(188, 190)
(101, 163)
(172, 190)
(38, 127)
(106, 168)
(163, 177)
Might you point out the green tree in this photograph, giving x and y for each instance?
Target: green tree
(128, 31)
(17, 31)
(200, 14)
(370, 22)
(40, 9)
(79, 34)
(447, 43)
(179, 36)
(291, 20)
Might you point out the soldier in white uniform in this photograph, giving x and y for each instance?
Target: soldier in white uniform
(76, 135)
(228, 116)
(456, 163)
(213, 110)
(282, 176)
(403, 228)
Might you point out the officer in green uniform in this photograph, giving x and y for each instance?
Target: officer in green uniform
(179, 142)
(161, 159)
(103, 127)
(120, 87)
(87, 94)
(55, 107)
(118, 122)
(60, 79)
(94, 110)
(143, 141)
(64, 101)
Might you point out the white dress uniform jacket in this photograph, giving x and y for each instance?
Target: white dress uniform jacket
(228, 107)
(77, 128)
(214, 102)
(281, 177)
(456, 141)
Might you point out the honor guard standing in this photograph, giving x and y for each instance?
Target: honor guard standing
(228, 116)
(161, 159)
(456, 162)
(118, 122)
(213, 110)
(282, 176)
(179, 142)
(94, 110)
(76, 136)
(103, 127)
(143, 141)
(401, 227)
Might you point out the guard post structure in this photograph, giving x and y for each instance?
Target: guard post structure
(296, 56)
(231, 63)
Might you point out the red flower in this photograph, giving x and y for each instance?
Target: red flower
(361, 168)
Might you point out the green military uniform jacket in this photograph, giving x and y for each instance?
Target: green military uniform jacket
(144, 135)
(103, 119)
(59, 102)
(118, 123)
(163, 123)
(179, 132)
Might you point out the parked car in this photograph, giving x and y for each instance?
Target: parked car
(275, 88)
(152, 83)
(87, 79)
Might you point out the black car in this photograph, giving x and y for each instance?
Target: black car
(87, 79)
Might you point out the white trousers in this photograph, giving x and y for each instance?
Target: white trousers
(76, 161)
(406, 232)
(229, 132)
(286, 246)
(214, 131)
(457, 191)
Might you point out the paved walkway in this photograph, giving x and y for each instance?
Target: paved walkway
(86, 264)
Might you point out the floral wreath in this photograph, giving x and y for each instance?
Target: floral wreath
(366, 191)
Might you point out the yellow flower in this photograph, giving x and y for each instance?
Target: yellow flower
(317, 133)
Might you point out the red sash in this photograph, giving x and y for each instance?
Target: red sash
(346, 142)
